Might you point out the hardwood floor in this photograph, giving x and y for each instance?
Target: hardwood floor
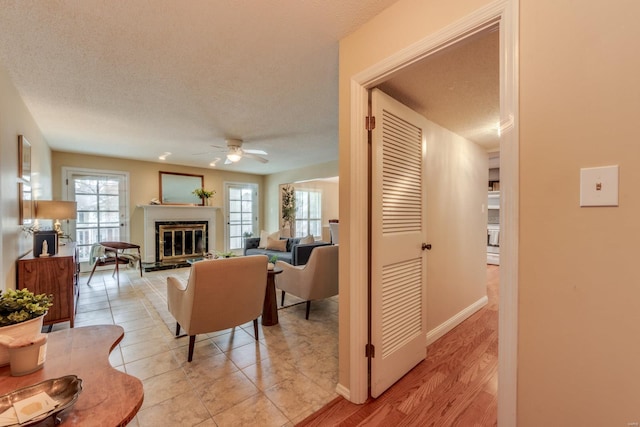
(456, 385)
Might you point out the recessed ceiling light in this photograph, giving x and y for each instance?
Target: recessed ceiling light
(164, 155)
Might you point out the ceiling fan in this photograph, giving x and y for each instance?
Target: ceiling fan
(235, 152)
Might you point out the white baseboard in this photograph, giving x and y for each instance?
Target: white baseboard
(343, 391)
(454, 321)
(435, 333)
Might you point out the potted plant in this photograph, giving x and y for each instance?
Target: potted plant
(289, 208)
(21, 315)
(203, 194)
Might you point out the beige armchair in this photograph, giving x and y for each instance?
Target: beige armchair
(317, 279)
(220, 294)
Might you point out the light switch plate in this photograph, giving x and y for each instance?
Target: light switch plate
(599, 186)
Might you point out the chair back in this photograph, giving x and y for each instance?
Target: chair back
(225, 293)
(321, 273)
(334, 229)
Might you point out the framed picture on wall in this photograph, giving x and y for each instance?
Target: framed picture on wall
(24, 159)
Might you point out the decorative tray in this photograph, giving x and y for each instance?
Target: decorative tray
(64, 389)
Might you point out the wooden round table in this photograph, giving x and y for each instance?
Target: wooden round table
(108, 397)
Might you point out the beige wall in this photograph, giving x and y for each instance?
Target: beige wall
(144, 185)
(404, 23)
(579, 353)
(15, 119)
(457, 173)
(273, 182)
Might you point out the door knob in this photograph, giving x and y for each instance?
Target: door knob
(426, 246)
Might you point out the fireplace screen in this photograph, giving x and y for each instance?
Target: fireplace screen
(180, 241)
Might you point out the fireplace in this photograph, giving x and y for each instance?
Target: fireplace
(180, 240)
(203, 216)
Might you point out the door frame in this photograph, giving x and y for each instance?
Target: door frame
(505, 14)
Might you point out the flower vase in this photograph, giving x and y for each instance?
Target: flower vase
(30, 328)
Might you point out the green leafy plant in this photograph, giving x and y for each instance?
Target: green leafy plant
(20, 305)
(229, 254)
(288, 206)
(203, 194)
(273, 259)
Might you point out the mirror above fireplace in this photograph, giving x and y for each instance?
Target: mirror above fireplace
(177, 188)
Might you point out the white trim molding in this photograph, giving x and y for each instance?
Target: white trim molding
(455, 320)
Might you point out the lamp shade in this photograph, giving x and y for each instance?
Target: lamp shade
(55, 209)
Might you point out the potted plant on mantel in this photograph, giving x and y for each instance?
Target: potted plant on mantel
(204, 195)
(21, 315)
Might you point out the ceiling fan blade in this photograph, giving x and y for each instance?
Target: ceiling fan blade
(261, 152)
(255, 157)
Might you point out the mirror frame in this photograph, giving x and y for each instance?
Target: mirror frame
(177, 188)
(25, 208)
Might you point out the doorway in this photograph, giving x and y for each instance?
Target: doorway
(503, 14)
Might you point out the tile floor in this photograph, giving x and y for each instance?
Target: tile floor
(233, 381)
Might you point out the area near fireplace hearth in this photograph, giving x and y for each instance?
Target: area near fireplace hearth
(175, 233)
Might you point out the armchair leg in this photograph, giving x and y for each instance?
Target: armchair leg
(308, 308)
(192, 342)
(177, 328)
(282, 301)
(255, 328)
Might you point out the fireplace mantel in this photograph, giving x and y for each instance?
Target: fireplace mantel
(153, 213)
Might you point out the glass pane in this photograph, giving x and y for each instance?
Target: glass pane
(110, 218)
(315, 228)
(109, 203)
(87, 219)
(86, 202)
(235, 206)
(110, 187)
(235, 243)
(235, 193)
(86, 186)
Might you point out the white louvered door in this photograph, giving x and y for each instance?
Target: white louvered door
(398, 230)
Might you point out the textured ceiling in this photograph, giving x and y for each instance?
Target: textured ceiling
(457, 88)
(137, 79)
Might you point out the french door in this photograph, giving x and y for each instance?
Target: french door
(102, 208)
(241, 212)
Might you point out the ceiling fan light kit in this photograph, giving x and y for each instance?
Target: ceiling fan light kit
(235, 153)
(234, 156)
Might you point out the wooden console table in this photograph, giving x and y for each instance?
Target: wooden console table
(56, 275)
(108, 397)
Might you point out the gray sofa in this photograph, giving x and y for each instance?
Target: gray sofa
(296, 254)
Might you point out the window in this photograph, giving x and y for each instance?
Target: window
(308, 213)
(102, 213)
(242, 213)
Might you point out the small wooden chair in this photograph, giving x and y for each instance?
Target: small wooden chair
(112, 253)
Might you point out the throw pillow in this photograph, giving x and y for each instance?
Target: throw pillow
(276, 245)
(264, 236)
(308, 239)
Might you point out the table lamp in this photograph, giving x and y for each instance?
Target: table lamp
(56, 210)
